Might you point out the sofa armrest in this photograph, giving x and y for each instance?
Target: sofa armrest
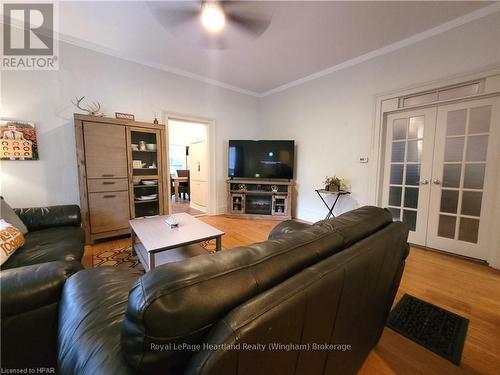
(30, 313)
(285, 227)
(36, 218)
(28, 288)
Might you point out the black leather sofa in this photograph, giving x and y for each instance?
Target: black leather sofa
(31, 282)
(331, 283)
(55, 233)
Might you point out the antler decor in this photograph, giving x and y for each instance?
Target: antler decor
(93, 109)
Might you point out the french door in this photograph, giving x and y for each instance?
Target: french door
(440, 172)
(463, 180)
(409, 152)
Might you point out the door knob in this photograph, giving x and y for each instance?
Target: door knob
(436, 182)
(424, 182)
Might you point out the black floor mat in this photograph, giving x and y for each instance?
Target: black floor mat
(430, 326)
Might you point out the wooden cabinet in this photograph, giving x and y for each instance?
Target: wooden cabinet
(109, 211)
(121, 165)
(255, 198)
(105, 150)
(236, 203)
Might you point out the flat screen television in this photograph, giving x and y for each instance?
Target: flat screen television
(261, 159)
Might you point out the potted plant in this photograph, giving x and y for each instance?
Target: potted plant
(333, 183)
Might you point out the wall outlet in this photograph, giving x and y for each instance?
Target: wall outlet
(363, 160)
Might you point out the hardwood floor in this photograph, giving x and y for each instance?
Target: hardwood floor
(238, 232)
(465, 287)
(182, 205)
(468, 288)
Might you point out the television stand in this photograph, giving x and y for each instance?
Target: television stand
(259, 199)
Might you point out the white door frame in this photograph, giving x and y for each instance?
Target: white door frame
(211, 165)
(388, 102)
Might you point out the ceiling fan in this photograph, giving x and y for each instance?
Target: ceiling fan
(213, 24)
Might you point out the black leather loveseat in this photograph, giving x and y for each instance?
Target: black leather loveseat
(31, 283)
(305, 290)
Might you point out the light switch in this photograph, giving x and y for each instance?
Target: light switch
(363, 160)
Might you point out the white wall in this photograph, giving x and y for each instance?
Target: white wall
(122, 86)
(331, 118)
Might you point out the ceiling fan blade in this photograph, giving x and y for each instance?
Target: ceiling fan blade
(245, 22)
(253, 25)
(172, 14)
(173, 18)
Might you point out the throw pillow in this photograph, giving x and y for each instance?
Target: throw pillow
(11, 239)
(8, 214)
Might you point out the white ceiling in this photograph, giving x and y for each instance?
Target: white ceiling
(302, 39)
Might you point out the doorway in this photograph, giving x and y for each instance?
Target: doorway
(440, 171)
(188, 162)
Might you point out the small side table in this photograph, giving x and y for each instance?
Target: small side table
(322, 192)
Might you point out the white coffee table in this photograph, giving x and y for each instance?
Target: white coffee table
(156, 243)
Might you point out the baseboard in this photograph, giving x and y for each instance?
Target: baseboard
(197, 207)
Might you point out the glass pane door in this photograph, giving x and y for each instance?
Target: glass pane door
(463, 165)
(145, 159)
(409, 142)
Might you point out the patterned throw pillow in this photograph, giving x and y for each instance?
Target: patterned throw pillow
(8, 214)
(11, 239)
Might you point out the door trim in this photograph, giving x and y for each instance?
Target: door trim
(386, 103)
(212, 206)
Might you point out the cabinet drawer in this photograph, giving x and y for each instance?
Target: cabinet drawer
(102, 184)
(109, 211)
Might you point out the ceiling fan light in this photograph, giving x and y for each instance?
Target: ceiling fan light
(212, 17)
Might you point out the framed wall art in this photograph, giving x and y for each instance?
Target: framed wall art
(18, 140)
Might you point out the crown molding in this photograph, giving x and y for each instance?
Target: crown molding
(183, 73)
(77, 42)
(469, 17)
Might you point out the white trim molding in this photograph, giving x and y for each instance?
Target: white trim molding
(152, 64)
(386, 103)
(212, 207)
(477, 14)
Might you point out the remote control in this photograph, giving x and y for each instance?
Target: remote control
(171, 222)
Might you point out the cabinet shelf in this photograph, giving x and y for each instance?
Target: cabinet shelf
(146, 177)
(145, 201)
(144, 186)
(145, 216)
(148, 151)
